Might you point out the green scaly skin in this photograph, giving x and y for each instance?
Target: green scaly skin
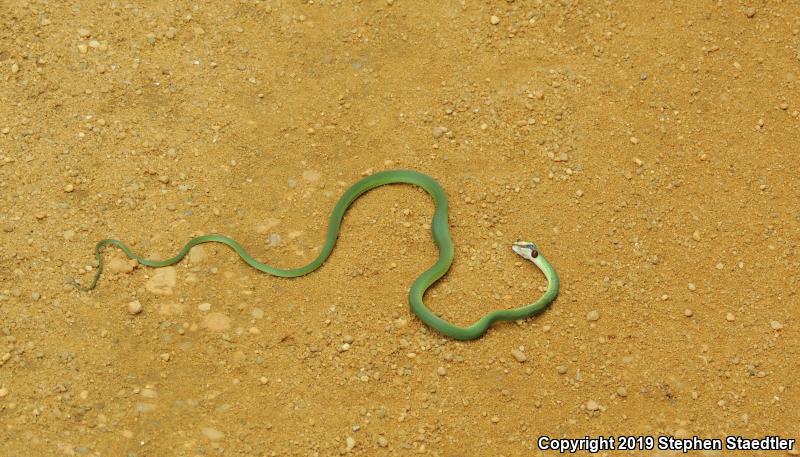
(441, 234)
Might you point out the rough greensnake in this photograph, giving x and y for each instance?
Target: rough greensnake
(441, 234)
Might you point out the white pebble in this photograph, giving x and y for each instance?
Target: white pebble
(162, 281)
(519, 355)
(311, 175)
(134, 307)
(494, 20)
(213, 434)
(197, 255)
(118, 265)
(593, 315)
(776, 325)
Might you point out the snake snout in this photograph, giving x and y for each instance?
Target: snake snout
(525, 249)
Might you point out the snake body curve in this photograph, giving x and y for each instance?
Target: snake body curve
(441, 235)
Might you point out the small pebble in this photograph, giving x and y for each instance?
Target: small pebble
(592, 405)
(562, 369)
(217, 322)
(688, 312)
(162, 281)
(311, 175)
(197, 255)
(3, 392)
(441, 371)
(149, 393)
(118, 265)
(351, 443)
(69, 188)
(691, 286)
(213, 434)
(519, 355)
(592, 315)
(622, 392)
(776, 325)
(141, 407)
(634, 140)
(494, 20)
(439, 131)
(204, 307)
(750, 12)
(134, 307)
(730, 317)
(382, 441)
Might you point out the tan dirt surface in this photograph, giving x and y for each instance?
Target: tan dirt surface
(649, 148)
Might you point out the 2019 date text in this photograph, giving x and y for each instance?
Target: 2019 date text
(663, 443)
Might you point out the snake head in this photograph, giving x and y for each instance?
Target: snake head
(526, 249)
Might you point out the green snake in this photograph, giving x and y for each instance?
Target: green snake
(441, 234)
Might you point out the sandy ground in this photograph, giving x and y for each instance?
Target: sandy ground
(650, 150)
